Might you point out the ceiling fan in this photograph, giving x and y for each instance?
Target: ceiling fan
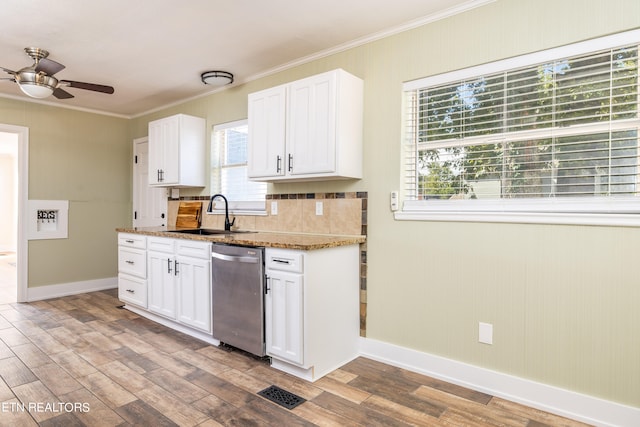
(37, 80)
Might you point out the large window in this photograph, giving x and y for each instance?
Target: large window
(229, 168)
(551, 132)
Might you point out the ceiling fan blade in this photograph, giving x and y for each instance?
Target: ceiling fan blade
(8, 71)
(48, 66)
(61, 94)
(88, 86)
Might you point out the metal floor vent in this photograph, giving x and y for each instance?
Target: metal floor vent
(281, 397)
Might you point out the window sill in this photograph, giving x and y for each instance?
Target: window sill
(620, 213)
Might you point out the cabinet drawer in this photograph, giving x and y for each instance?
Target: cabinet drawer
(132, 290)
(132, 240)
(160, 244)
(132, 261)
(284, 260)
(193, 248)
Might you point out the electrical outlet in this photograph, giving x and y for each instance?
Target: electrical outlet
(319, 208)
(274, 208)
(485, 333)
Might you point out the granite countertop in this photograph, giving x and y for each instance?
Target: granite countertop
(267, 239)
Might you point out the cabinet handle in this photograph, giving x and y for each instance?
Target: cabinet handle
(266, 285)
(130, 262)
(158, 175)
(169, 266)
(175, 268)
(161, 175)
(281, 261)
(290, 163)
(131, 291)
(129, 241)
(278, 164)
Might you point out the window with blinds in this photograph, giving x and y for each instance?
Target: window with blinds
(564, 127)
(229, 168)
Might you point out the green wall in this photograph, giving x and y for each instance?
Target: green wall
(561, 298)
(83, 158)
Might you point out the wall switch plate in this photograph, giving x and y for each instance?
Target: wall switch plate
(274, 208)
(319, 208)
(485, 333)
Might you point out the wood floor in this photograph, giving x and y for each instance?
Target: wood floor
(81, 361)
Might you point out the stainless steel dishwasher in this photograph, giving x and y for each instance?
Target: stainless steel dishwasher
(238, 296)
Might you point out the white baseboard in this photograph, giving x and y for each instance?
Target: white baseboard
(551, 399)
(74, 288)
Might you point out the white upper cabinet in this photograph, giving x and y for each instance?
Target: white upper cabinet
(310, 129)
(177, 151)
(267, 132)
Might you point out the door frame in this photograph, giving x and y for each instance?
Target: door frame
(23, 199)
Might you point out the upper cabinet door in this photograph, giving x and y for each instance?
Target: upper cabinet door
(312, 126)
(155, 156)
(267, 133)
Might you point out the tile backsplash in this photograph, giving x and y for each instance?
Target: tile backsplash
(342, 214)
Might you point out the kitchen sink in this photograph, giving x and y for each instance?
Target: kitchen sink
(210, 231)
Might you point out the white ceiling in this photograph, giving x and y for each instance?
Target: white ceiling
(153, 51)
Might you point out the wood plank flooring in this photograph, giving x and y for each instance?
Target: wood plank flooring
(81, 361)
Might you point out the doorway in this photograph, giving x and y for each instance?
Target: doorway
(8, 217)
(14, 152)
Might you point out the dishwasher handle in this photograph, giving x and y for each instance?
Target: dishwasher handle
(233, 258)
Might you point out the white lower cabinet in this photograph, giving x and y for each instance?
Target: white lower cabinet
(179, 281)
(284, 323)
(312, 309)
(132, 269)
(162, 289)
(194, 292)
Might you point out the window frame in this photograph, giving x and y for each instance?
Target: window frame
(236, 206)
(612, 210)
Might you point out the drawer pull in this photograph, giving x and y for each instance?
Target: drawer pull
(129, 241)
(131, 291)
(130, 262)
(281, 261)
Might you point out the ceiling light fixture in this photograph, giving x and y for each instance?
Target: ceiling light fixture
(216, 78)
(36, 85)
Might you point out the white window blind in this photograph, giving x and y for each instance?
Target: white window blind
(561, 129)
(229, 168)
